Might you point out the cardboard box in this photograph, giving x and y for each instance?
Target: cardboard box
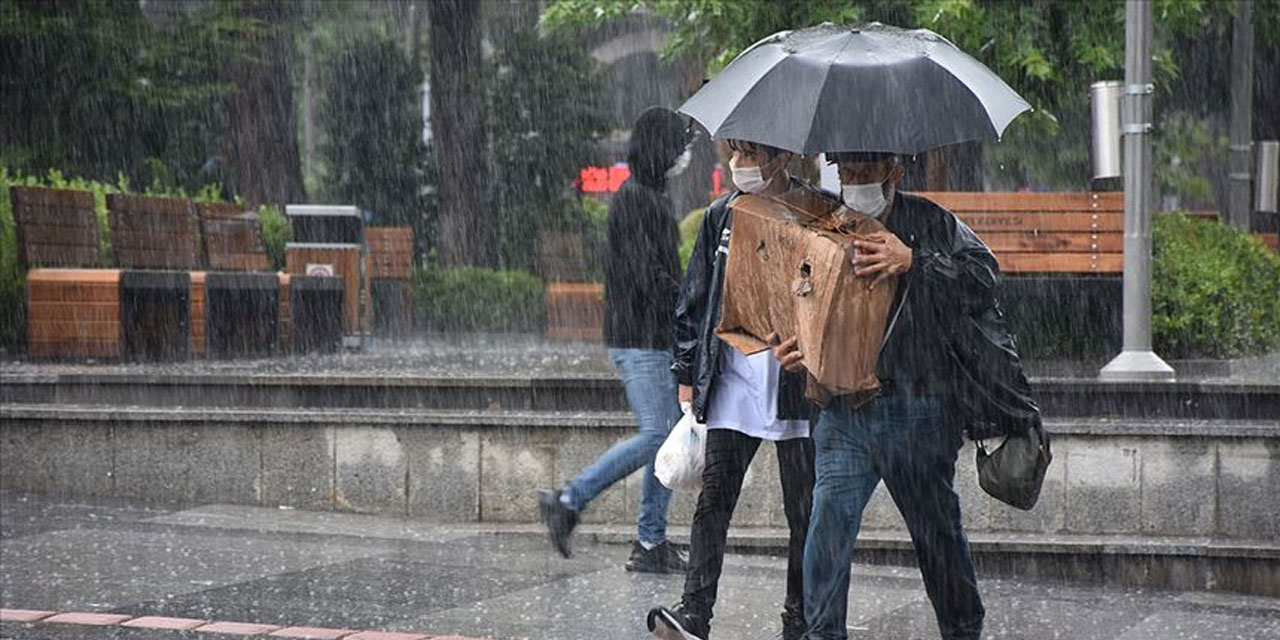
(790, 272)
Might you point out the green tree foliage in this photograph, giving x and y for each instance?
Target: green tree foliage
(94, 88)
(373, 120)
(1049, 51)
(544, 116)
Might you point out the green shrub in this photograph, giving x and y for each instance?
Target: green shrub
(689, 228)
(276, 233)
(473, 299)
(1215, 291)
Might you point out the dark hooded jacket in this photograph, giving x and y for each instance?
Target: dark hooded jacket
(950, 336)
(697, 353)
(642, 269)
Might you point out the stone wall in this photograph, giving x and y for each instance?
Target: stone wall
(1152, 478)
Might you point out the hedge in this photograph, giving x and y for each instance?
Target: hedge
(1215, 292)
(479, 300)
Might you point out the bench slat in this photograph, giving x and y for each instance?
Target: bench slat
(959, 201)
(1062, 242)
(1043, 222)
(1109, 263)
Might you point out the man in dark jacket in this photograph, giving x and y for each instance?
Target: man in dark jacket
(744, 400)
(909, 435)
(642, 278)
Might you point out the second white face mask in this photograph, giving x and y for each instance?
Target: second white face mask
(865, 198)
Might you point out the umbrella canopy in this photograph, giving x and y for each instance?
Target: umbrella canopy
(855, 88)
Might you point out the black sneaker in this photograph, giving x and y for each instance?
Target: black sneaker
(792, 626)
(560, 520)
(677, 624)
(663, 558)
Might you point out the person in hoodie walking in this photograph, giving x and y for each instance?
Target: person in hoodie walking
(745, 401)
(642, 279)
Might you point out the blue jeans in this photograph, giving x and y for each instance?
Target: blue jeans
(651, 392)
(911, 443)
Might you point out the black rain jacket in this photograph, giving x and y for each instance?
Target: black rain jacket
(697, 350)
(950, 336)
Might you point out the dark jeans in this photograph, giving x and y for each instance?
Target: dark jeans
(728, 454)
(911, 443)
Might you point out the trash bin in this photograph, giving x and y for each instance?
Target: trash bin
(242, 314)
(316, 308)
(155, 315)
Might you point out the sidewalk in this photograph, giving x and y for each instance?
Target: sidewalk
(362, 573)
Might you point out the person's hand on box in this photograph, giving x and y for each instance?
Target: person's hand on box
(881, 255)
(787, 352)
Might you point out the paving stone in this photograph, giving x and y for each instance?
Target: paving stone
(387, 635)
(513, 463)
(297, 466)
(1104, 484)
(91, 619)
(1178, 487)
(159, 622)
(34, 452)
(238, 628)
(24, 615)
(1249, 489)
(312, 633)
(372, 469)
(187, 462)
(444, 473)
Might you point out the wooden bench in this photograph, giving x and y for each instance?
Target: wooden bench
(575, 306)
(71, 312)
(390, 261)
(575, 311)
(1045, 232)
(55, 227)
(153, 233)
(232, 237)
(1062, 255)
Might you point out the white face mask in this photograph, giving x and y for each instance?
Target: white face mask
(870, 199)
(682, 163)
(749, 179)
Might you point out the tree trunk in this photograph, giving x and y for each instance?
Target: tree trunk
(264, 129)
(467, 236)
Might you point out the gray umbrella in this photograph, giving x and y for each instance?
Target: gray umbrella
(855, 88)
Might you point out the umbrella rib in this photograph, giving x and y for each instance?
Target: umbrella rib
(826, 77)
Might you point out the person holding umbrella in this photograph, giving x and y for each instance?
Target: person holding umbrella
(868, 95)
(909, 435)
(744, 401)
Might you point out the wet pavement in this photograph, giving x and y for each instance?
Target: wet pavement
(357, 572)
(528, 355)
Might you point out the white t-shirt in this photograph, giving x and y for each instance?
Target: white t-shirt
(745, 398)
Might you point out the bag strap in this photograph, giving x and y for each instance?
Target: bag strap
(894, 321)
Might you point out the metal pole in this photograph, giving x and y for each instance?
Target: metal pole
(1136, 360)
(1240, 184)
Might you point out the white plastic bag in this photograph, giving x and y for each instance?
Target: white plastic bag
(679, 462)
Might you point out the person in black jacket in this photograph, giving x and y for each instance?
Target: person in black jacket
(642, 278)
(744, 400)
(909, 435)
